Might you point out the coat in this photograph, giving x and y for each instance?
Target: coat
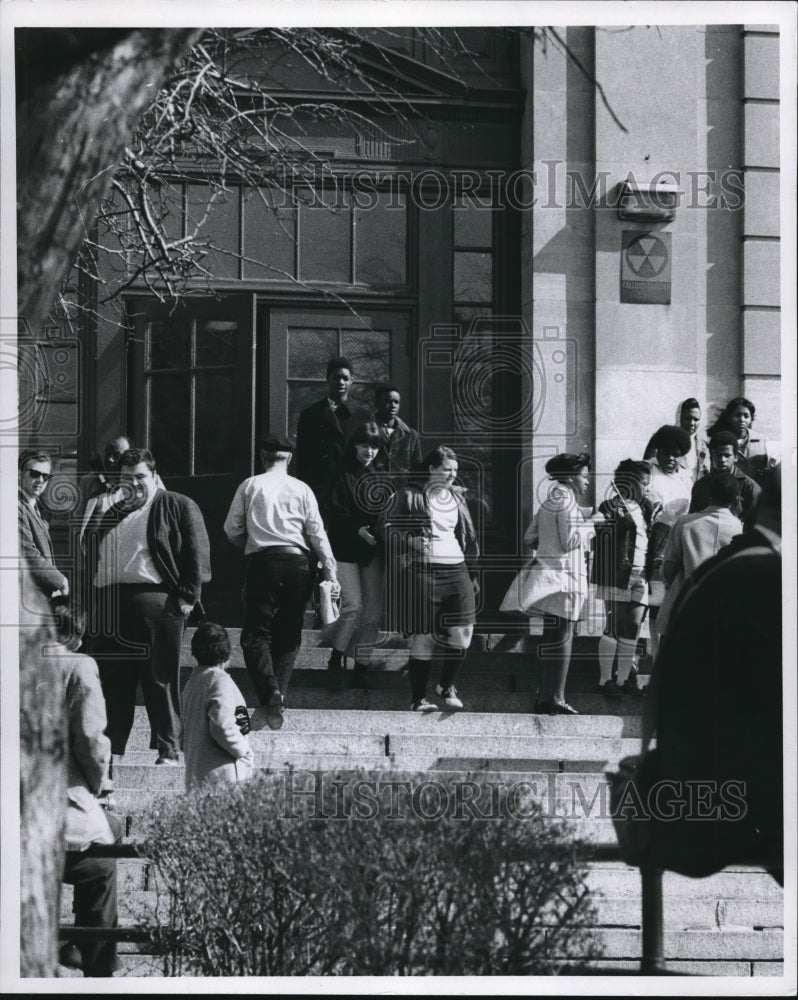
(399, 451)
(614, 545)
(744, 508)
(89, 751)
(36, 548)
(409, 517)
(215, 748)
(320, 441)
(693, 540)
(357, 499)
(555, 581)
(176, 538)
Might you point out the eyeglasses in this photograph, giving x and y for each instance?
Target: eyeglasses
(36, 474)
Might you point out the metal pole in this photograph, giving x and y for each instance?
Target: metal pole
(653, 959)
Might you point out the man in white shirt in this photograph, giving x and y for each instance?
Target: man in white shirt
(275, 519)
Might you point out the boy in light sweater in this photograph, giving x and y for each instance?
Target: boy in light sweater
(215, 718)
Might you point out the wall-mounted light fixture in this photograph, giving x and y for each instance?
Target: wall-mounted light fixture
(648, 202)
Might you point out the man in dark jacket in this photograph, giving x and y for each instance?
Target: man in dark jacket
(400, 450)
(723, 458)
(35, 469)
(148, 558)
(322, 432)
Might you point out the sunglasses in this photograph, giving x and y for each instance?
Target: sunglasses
(36, 474)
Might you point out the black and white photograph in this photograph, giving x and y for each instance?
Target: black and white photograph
(443, 360)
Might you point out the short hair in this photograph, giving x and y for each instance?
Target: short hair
(384, 388)
(113, 449)
(628, 471)
(724, 490)
(565, 465)
(368, 433)
(437, 457)
(721, 438)
(70, 620)
(672, 439)
(32, 455)
(210, 644)
(135, 456)
(339, 362)
(689, 404)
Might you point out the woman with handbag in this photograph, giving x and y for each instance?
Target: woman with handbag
(554, 584)
(621, 569)
(430, 538)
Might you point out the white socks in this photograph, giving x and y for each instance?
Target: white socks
(606, 656)
(626, 654)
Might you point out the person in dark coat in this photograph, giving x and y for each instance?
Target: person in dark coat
(148, 559)
(36, 547)
(358, 498)
(322, 432)
(400, 447)
(723, 458)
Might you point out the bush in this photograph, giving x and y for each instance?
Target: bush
(314, 873)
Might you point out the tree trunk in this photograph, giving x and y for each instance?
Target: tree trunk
(72, 127)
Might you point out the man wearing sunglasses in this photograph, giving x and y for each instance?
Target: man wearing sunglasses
(36, 547)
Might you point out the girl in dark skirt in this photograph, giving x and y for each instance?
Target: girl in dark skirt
(429, 535)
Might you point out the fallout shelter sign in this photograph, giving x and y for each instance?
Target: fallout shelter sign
(646, 267)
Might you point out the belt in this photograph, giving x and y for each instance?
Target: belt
(273, 550)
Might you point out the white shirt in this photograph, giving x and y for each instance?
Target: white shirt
(124, 555)
(443, 512)
(277, 509)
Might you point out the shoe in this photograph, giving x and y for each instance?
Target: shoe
(610, 690)
(170, 761)
(449, 696)
(69, 956)
(274, 710)
(554, 708)
(631, 686)
(422, 705)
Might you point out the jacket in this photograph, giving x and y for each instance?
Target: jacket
(177, 540)
(614, 545)
(399, 451)
(409, 516)
(36, 548)
(744, 508)
(89, 751)
(357, 499)
(215, 748)
(320, 440)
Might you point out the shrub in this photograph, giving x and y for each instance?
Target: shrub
(357, 873)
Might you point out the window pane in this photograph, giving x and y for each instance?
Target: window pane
(325, 241)
(301, 395)
(218, 226)
(370, 354)
(214, 422)
(169, 344)
(309, 350)
(465, 315)
(380, 242)
(269, 235)
(473, 277)
(473, 226)
(216, 342)
(170, 406)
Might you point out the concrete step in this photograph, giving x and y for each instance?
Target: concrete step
(722, 945)
(381, 722)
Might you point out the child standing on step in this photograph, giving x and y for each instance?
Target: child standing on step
(215, 718)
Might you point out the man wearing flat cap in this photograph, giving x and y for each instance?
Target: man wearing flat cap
(275, 519)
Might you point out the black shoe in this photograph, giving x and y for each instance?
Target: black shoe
(610, 690)
(274, 710)
(69, 956)
(359, 678)
(554, 708)
(336, 675)
(631, 686)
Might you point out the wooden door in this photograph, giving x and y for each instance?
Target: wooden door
(301, 341)
(191, 402)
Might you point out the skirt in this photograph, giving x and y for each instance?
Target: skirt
(430, 598)
(635, 593)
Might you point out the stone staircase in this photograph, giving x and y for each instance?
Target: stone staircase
(730, 924)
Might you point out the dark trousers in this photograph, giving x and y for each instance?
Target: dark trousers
(139, 639)
(277, 590)
(95, 903)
